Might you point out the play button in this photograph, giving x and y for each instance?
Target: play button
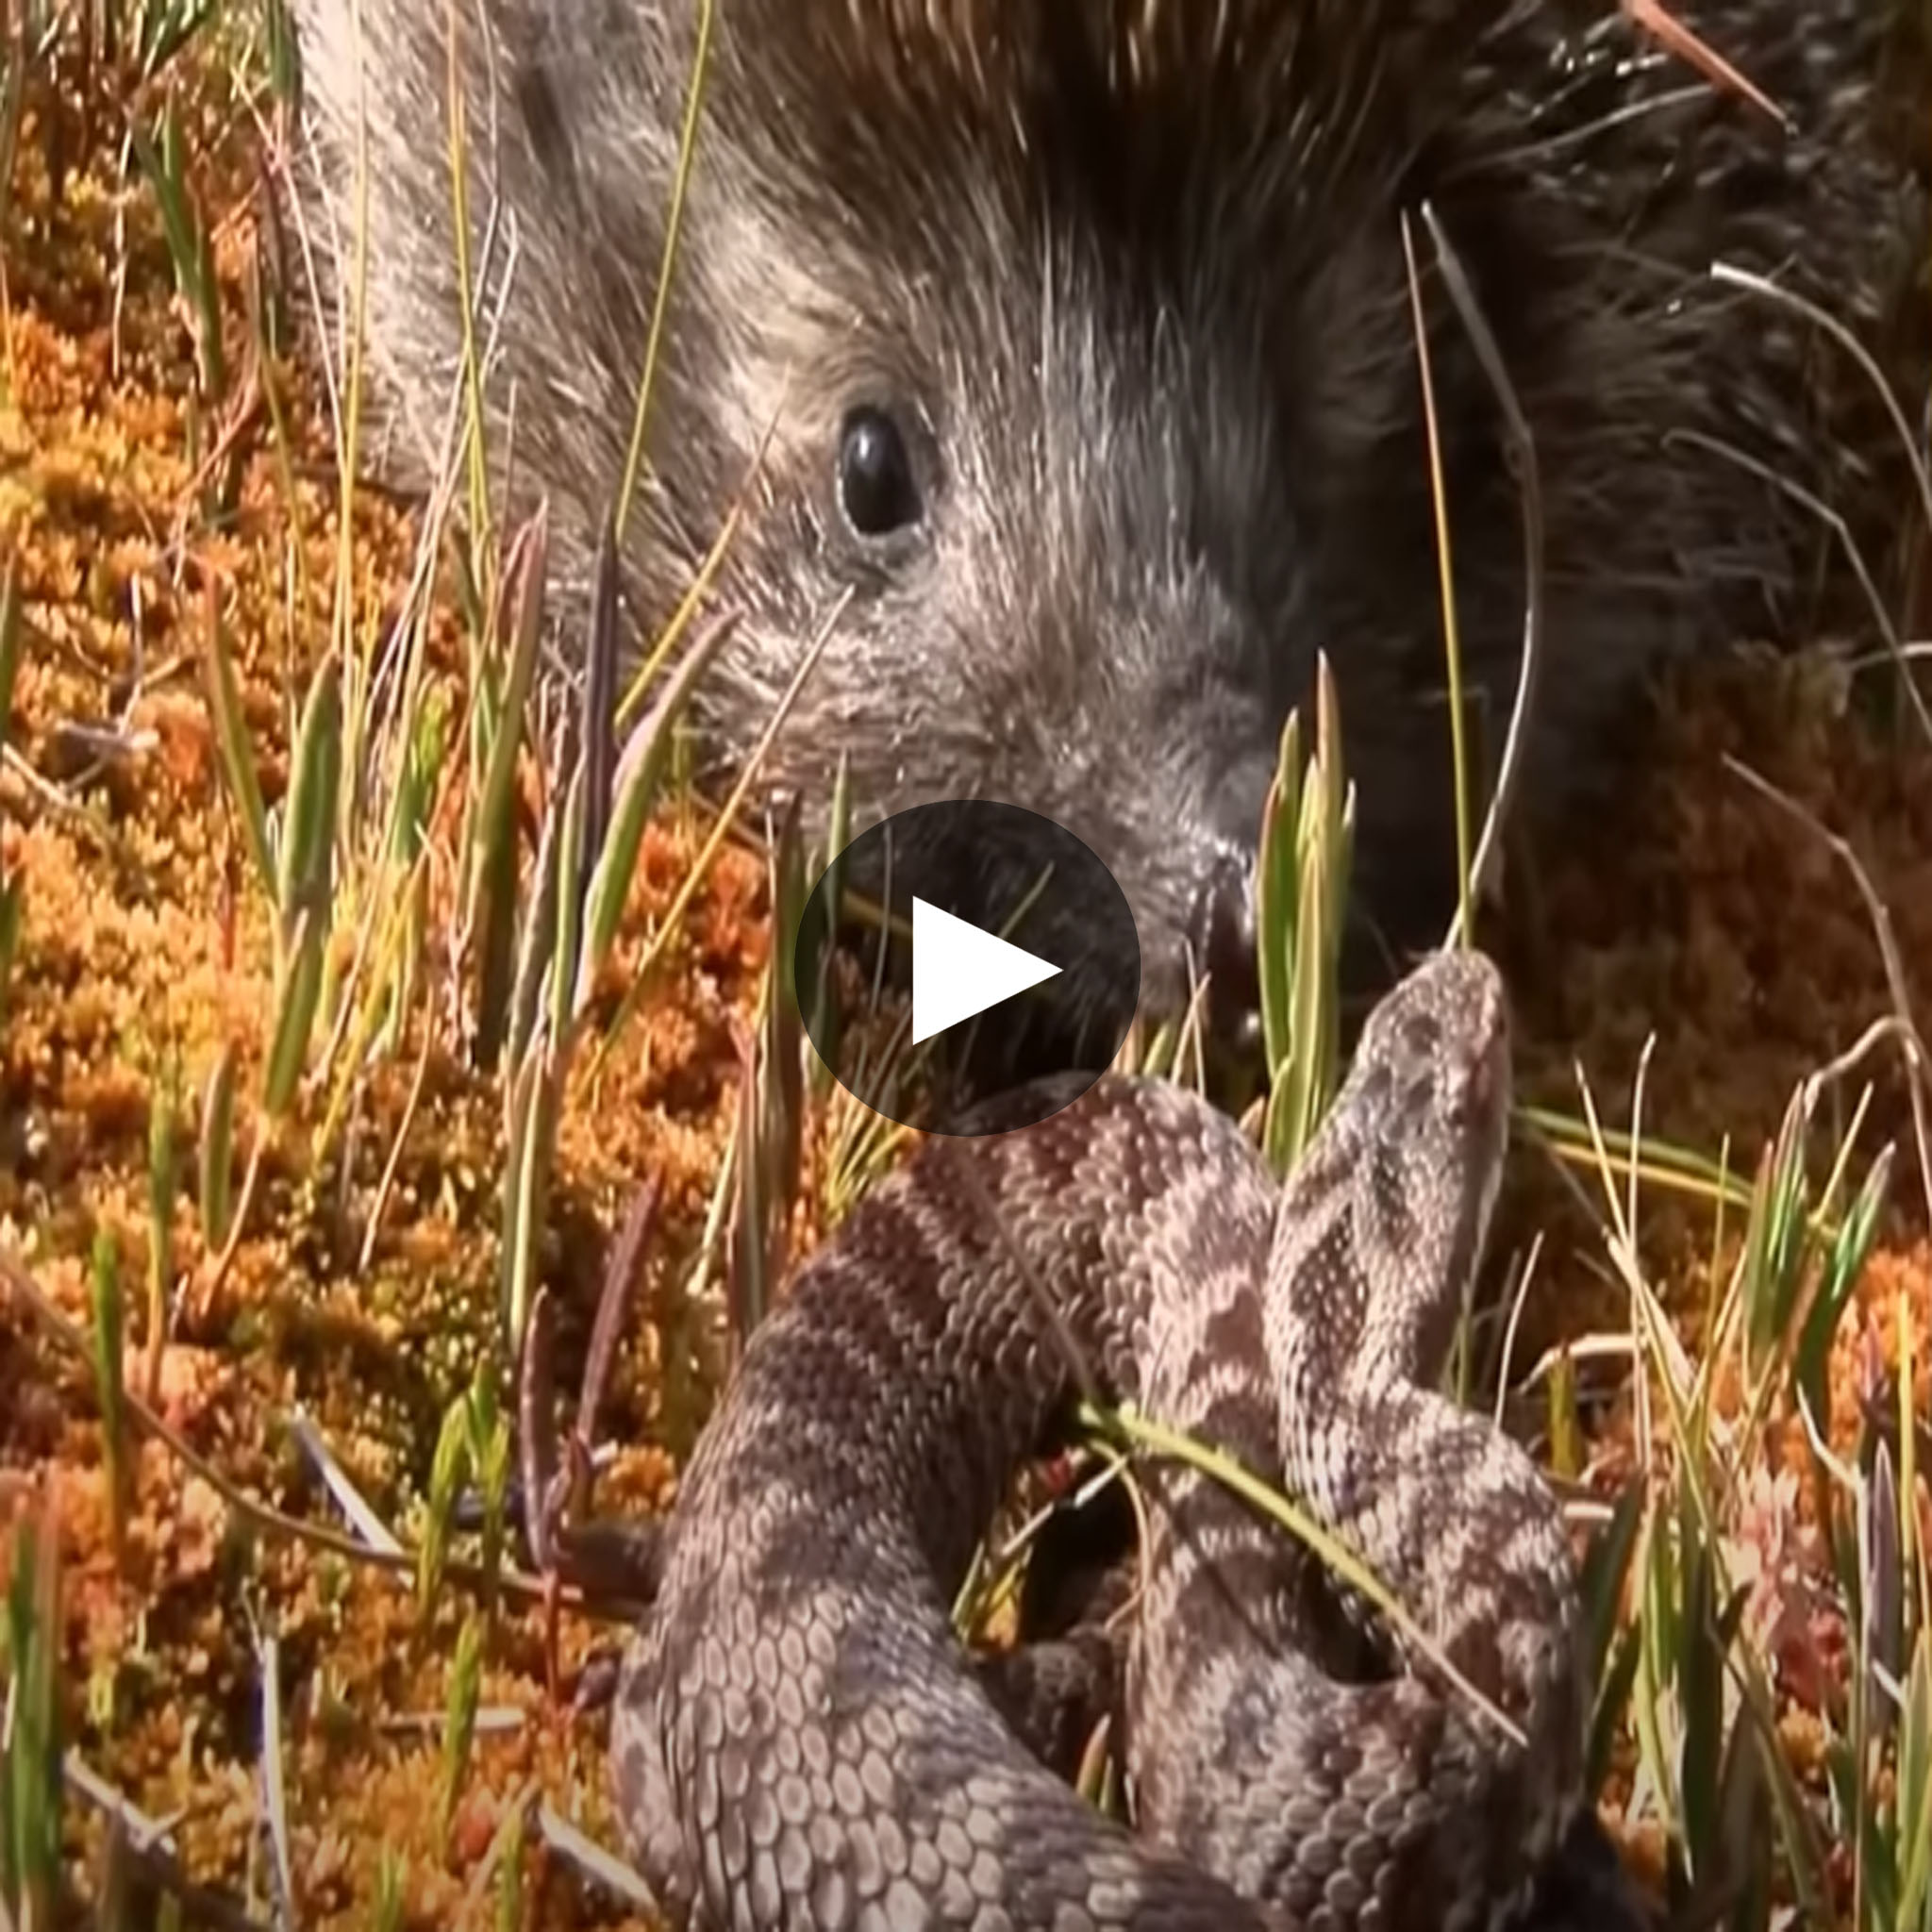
(958, 970)
(967, 967)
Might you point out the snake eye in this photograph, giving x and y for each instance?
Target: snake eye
(877, 490)
(1421, 1034)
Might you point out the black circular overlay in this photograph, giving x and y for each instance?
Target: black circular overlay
(1015, 876)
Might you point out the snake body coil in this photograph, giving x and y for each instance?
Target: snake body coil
(798, 1739)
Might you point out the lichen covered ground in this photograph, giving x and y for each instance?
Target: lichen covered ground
(1692, 915)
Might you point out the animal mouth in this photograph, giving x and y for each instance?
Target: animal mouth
(1221, 944)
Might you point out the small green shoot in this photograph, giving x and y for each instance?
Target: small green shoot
(390, 1878)
(448, 1470)
(639, 781)
(12, 905)
(490, 840)
(459, 1725)
(507, 1848)
(12, 631)
(163, 1182)
(110, 1341)
(190, 244)
(305, 887)
(770, 1110)
(215, 1161)
(1302, 881)
(30, 1783)
(236, 743)
(824, 1020)
(489, 1457)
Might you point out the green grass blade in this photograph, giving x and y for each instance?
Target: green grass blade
(11, 632)
(295, 1014)
(30, 1765)
(493, 854)
(1843, 1266)
(109, 1337)
(1914, 1786)
(1276, 907)
(237, 750)
(824, 1018)
(534, 954)
(215, 1164)
(526, 1186)
(448, 1467)
(640, 774)
(527, 580)
(459, 1725)
(569, 911)
(11, 904)
(309, 824)
(162, 1182)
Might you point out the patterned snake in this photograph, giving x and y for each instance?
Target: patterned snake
(798, 1739)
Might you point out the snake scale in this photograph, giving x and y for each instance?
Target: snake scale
(798, 1741)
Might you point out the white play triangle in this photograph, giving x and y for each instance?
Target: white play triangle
(959, 970)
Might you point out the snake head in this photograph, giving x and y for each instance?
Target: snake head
(1422, 1121)
(1434, 1054)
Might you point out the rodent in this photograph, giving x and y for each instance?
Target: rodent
(1082, 337)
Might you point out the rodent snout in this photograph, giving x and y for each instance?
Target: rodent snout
(1221, 936)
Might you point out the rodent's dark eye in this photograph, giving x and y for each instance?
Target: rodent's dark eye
(877, 490)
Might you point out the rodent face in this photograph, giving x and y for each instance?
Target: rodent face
(1081, 334)
(1030, 409)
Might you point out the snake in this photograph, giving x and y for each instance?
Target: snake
(799, 1741)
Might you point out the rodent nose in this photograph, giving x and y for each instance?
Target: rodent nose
(1222, 932)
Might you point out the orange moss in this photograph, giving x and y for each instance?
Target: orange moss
(146, 947)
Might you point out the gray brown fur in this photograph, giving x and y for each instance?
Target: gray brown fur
(797, 1738)
(1131, 279)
